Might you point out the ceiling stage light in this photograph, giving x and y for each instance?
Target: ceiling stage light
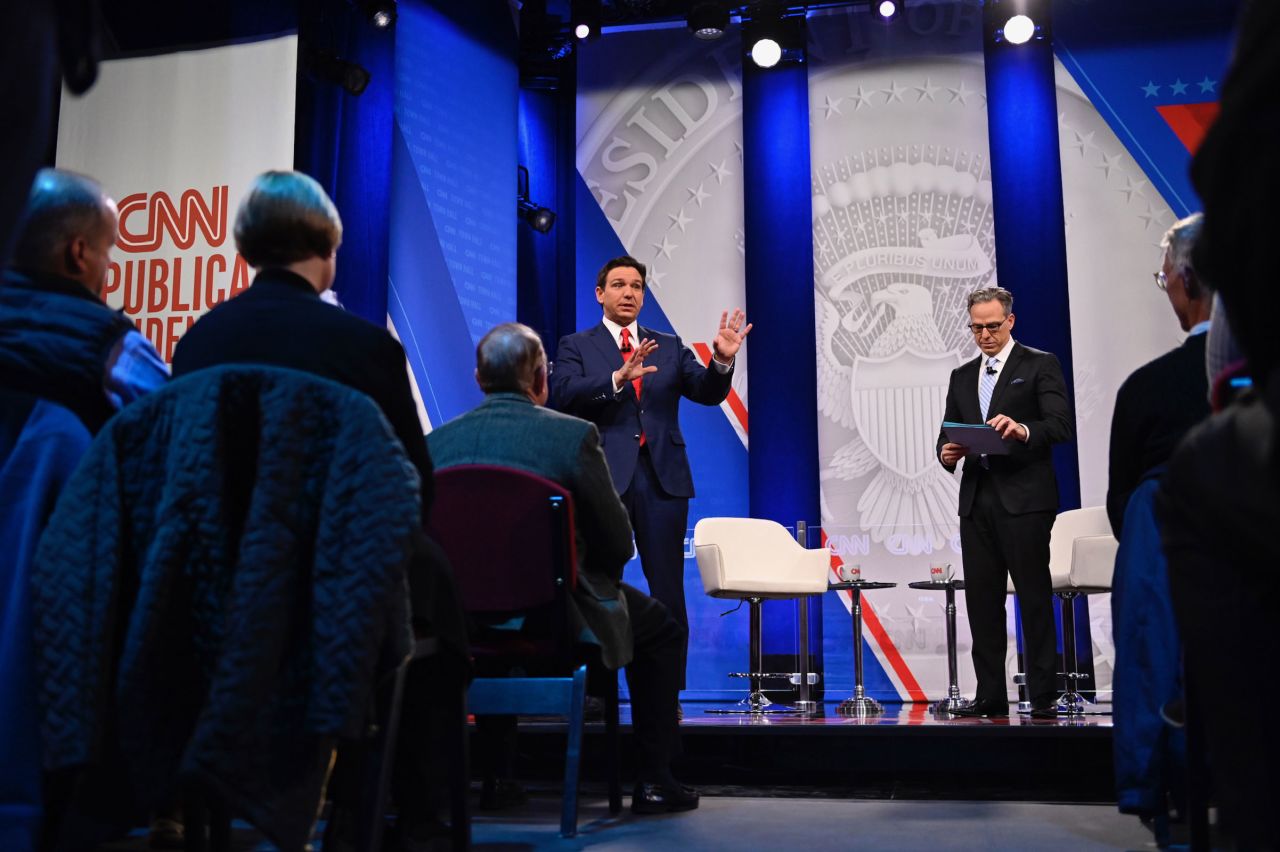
(766, 52)
(708, 19)
(1019, 29)
(887, 9)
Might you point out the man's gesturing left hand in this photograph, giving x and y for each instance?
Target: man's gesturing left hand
(730, 336)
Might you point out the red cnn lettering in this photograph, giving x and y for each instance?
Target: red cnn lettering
(179, 221)
(157, 286)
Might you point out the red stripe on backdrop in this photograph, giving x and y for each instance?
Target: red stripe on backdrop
(872, 622)
(1190, 121)
(735, 403)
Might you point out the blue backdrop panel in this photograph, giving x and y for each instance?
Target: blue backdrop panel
(719, 462)
(453, 238)
(782, 384)
(1131, 58)
(1031, 246)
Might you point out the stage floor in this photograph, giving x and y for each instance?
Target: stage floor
(905, 753)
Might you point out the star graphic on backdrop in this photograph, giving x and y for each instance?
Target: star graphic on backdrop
(1206, 85)
(893, 93)
(719, 172)
(1109, 164)
(859, 98)
(698, 195)
(1178, 87)
(1148, 217)
(1151, 89)
(664, 248)
(927, 90)
(679, 220)
(655, 278)
(882, 219)
(1132, 187)
(1084, 141)
(832, 106)
(961, 93)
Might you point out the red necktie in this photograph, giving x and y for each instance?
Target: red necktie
(626, 350)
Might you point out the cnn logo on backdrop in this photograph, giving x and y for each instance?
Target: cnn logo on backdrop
(180, 267)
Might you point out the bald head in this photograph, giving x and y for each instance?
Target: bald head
(68, 228)
(510, 359)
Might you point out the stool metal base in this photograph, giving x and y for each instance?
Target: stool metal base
(755, 704)
(1074, 704)
(859, 706)
(949, 705)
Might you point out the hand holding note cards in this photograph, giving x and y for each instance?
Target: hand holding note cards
(978, 438)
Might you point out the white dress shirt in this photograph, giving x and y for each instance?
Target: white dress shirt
(634, 329)
(1002, 358)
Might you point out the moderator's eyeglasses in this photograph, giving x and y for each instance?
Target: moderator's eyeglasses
(1162, 280)
(978, 327)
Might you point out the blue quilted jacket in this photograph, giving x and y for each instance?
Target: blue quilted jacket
(219, 585)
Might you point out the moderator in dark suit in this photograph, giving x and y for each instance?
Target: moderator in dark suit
(281, 320)
(641, 434)
(1155, 408)
(633, 629)
(1007, 507)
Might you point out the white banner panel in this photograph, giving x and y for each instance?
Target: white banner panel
(176, 140)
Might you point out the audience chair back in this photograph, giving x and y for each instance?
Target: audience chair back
(509, 535)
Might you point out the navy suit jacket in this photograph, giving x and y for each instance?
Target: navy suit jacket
(1030, 390)
(582, 385)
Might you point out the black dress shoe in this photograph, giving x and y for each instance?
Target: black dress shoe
(1044, 708)
(984, 709)
(662, 798)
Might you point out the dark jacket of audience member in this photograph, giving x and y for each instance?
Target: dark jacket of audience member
(217, 586)
(1150, 756)
(55, 338)
(1155, 408)
(1219, 505)
(58, 340)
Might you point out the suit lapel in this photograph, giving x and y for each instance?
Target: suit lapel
(972, 412)
(1006, 376)
(608, 348)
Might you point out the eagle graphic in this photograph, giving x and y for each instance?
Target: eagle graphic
(892, 397)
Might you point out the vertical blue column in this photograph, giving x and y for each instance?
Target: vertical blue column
(782, 382)
(1030, 231)
(1026, 176)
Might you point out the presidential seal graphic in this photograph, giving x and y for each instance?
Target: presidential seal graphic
(902, 232)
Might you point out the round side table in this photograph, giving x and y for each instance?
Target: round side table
(953, 701)
(859, 704)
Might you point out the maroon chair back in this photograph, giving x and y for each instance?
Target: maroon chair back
(509, 536)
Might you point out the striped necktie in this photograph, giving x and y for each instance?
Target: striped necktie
(986, 385)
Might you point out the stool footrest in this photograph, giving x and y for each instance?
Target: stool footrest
(783, 675)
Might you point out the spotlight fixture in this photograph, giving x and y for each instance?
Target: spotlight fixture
(381, 13)
(708, 19)
(539, 218)
(326, 67)
(887, 9)
(585, 18)
(766, 52)
(771, 37)
(1019, 29)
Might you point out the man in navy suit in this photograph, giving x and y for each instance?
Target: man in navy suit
(1008, 502)
(628, 380)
